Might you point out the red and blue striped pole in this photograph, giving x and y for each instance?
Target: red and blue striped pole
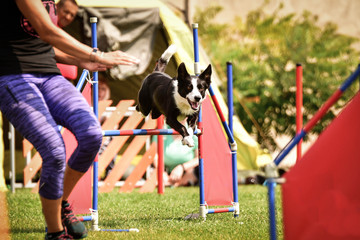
(221, 115)
(142, 132)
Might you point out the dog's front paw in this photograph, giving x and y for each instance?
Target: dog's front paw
(190, 131)
(188, 140)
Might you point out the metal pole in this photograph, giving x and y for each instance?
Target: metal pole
(233, 149)
(202, 209)
(229, 70)
(12, 157)
(272, 214)
(95, 220)
(160, 125)
(299, 105)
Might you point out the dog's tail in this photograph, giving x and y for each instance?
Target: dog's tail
(165, 58)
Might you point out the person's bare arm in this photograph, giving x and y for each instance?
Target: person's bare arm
(62, 57)
(39, 18)
(191, 164)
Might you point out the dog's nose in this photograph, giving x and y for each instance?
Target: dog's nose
(197, 98)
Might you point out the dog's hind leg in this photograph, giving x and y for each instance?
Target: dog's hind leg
(155, 113)
(144, 107)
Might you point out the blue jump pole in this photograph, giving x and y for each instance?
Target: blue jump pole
(200, 124)
(272, 213)
(82, 79)
(95, 220)
(94, 215)
(229, 70)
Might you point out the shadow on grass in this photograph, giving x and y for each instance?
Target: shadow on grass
(15, 230)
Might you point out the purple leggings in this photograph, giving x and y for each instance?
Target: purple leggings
(35, 104)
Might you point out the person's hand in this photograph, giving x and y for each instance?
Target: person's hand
(93, 66)
(116, 58)
(177, 173)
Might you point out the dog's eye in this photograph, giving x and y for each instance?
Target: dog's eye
(189, 87)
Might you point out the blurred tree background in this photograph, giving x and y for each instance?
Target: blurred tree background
(264, 50)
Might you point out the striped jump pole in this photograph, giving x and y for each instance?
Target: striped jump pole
(271, 168)
(233, 146)
(142, 132)
(229, 74)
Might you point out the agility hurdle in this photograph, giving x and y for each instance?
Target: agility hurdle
(203, 210)
(94, 212)
(271, 168)
(198, 132)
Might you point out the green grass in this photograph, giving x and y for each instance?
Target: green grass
(156, 216)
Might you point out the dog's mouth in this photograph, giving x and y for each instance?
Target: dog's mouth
(194, 105)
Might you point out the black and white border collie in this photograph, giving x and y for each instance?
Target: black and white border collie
(176, 98)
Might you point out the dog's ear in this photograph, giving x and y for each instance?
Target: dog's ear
(182, 72)
(206, 75)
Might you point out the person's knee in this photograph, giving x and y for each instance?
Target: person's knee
(89, 143)
(91, 139)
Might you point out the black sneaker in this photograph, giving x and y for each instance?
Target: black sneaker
(73, 226)
(58, 235)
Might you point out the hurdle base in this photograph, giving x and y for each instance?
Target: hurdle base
(94, 220)
(220, 210)
(236, 209)
(204, 212)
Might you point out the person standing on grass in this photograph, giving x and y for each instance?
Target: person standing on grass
(35, 98)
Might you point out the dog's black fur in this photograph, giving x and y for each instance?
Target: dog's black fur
(176, 98)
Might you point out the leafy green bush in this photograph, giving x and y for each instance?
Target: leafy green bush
(264, 51)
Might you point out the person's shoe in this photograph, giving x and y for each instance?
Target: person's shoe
(73, 226)
(58, 235)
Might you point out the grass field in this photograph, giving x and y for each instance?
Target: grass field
(156, 216)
